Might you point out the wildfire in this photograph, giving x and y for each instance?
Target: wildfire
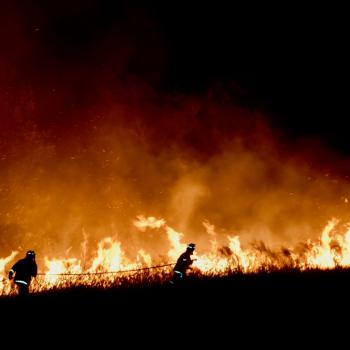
(110, 264)
(143, 223)
(4, 284)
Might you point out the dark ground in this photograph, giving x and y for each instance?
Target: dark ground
(299, 307)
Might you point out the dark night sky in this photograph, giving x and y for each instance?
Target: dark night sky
(291, 62)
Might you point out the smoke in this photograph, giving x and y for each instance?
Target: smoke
(98, 178)
(89, 143)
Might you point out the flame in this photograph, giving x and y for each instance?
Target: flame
(175, 238)
(4, 283)
(143, 223)
(332, 249)
(109, 256)
(322, 255)
(55, 267)
(211, 231)
(145, 257)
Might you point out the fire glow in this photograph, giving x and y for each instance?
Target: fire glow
(331, 250)
(97, 135)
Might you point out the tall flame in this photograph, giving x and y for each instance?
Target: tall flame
(330, 251)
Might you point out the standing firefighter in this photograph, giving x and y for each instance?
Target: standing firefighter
(23, 271)
(183, 263)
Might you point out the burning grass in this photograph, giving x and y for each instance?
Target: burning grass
(109, 267)
(266, 281)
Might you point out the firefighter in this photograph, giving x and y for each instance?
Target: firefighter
(183, 263)
(23, 271)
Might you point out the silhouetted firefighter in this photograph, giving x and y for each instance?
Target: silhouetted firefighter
(23, 271)
(183, 263)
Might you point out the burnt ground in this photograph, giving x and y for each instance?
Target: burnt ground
(298, 307)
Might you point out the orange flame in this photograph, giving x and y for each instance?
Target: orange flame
(143, 223)
(331, 250)
(4, 283)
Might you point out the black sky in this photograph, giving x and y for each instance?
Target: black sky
(290, 61)
(293, 60)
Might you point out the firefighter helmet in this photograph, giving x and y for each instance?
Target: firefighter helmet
(191, 246)
(30, 254)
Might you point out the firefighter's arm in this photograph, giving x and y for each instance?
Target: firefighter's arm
(35, 270)
(192, 261)
(11, 273)
(13, 270)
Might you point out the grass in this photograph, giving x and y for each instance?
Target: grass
(155, 284)
(287, 301)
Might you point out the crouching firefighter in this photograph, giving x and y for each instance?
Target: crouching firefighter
(23, 271)
(183, 263)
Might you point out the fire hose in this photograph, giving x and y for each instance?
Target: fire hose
(103, 272)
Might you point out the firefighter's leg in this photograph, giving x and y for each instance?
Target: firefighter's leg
(177, 277)
(23, 289)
